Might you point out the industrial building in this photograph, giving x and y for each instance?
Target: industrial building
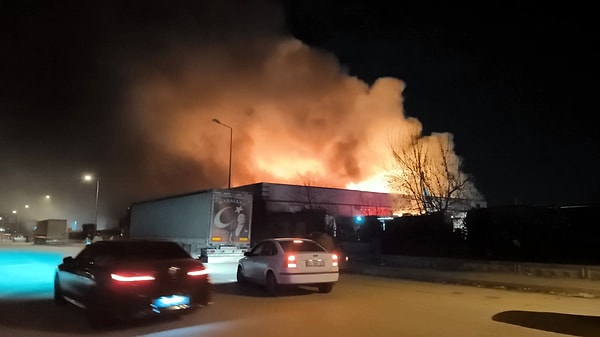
(280, 209)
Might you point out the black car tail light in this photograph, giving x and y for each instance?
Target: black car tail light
(132, 277)
(199, 271)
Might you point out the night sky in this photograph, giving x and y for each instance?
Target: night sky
(514, 86)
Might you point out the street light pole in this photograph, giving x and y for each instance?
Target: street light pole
(89, 177)
(96, 212)
(230, 146)
(18, 230)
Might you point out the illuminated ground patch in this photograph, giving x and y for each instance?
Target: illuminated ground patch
(28, 272)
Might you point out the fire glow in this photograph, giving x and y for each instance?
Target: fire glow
(296, 117)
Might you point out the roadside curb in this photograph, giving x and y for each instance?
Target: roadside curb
(483, 280)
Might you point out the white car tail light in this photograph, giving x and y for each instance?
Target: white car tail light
(334, 260)
(291, 261)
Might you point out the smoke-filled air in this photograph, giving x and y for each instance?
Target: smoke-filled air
(295, 116)
(137, 91)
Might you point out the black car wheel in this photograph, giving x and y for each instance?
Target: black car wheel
(58, 295)
(325, 288)
(98, 317)
(272, 286)
(205, 298)
(241, 280)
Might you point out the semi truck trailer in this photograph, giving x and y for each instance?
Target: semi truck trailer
(212, 225)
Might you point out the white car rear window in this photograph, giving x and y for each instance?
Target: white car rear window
(300, 246)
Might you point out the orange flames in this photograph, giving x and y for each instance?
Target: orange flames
(296, 118)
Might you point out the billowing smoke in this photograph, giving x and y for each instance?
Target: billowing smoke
(294, 114)
(133, 102)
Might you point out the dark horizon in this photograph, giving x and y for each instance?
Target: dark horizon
(513, 93)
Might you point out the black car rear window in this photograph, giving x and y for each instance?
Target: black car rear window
(300, 246)
(143, 250)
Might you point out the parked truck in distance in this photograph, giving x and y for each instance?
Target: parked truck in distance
(50, 231)
(212, 225)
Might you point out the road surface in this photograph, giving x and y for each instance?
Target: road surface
(359, 305)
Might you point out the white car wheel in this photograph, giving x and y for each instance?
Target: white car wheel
(271, 284)
(325, 288)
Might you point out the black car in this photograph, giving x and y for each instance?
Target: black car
(131, 278)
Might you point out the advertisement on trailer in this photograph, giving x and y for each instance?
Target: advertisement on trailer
(232, 217)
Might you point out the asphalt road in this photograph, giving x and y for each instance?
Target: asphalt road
(359, 305)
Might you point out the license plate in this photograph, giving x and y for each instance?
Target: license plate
(315, 263)
(172, 302)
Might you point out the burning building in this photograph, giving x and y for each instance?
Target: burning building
(294, 116)
(284, 209)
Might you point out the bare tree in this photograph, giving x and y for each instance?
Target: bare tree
(311, 198)
(429, 173)
(317, 202)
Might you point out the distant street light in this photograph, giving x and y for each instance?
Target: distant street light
(230, 146)
(18, 230)
(89, 177)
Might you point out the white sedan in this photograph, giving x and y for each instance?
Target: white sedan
(289, 261)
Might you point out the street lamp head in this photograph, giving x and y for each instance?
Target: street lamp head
(230, 146)
(221, 123)
(89, 177)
